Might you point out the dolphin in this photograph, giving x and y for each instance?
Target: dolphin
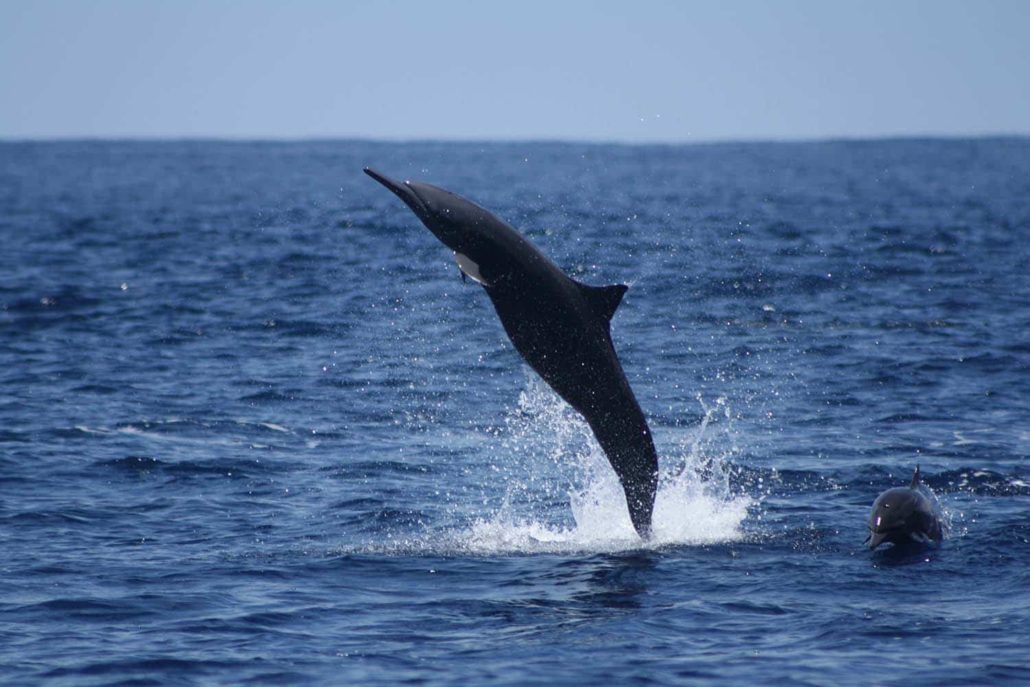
(560, 326)
(905, 516)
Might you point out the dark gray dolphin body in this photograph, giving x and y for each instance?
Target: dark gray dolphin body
(558, 325)
(905, 516)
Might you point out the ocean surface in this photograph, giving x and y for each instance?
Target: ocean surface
(254, 428)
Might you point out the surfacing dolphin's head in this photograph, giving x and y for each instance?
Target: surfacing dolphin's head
(904, 515)
(452, 219)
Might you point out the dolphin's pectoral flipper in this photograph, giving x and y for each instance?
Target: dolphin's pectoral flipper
(469, 268)
(604, 300)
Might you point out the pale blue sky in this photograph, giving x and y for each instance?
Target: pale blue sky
(626, 71)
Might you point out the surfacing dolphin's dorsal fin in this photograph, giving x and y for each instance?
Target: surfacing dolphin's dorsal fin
(604, 299)
(916, 479)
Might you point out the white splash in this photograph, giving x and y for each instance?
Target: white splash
(694, 505)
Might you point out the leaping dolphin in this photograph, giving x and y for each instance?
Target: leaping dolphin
(560, 326)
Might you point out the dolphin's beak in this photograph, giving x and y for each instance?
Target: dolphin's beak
(402, 190)
(875, 539)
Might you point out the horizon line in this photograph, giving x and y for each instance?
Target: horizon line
(399, 140)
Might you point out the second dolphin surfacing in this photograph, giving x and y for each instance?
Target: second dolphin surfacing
(560, 326)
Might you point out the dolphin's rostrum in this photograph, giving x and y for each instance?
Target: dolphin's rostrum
(559, 326)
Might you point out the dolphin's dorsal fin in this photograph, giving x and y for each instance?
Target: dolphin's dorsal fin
(916, 479)
(604, 299)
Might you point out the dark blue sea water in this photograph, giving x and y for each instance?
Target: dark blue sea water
(254, 429)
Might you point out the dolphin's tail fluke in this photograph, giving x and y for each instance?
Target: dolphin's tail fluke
(640, 498)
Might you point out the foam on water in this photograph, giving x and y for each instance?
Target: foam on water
(686, 513)
(694, 503)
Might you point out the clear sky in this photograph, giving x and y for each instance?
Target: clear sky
(645, 70)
